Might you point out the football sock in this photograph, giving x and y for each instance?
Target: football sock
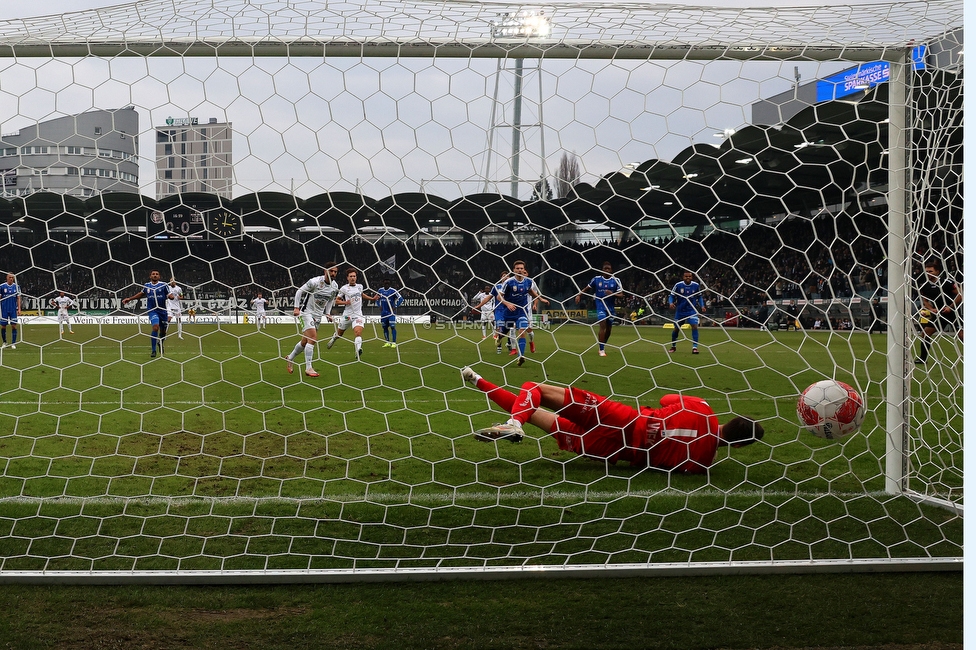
(393, 333)
(521, 346)
(309, 352)
(500, 396)
(694, 336)
(153, 338)
(359, 344)
(3, 333)
(298, 350)
(386, 332)
(13, 334)
(528, 401)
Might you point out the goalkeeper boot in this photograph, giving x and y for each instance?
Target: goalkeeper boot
(511, 431)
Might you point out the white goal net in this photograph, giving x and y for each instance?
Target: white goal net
(802, 164)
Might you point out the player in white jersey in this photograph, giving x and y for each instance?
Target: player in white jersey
(487, 310)
(351, 297)
(64, 303)
(260, 317)
(174, 305)
(313, 301)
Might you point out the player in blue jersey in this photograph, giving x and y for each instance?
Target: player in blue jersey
(500, 316)
(155, 293)
(517, 294)
(390, 299)
(605, 289)
(686, 301)
(9, 310)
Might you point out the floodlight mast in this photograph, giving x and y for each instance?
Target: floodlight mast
(522, 24)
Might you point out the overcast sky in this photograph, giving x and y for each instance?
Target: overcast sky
(386, 126)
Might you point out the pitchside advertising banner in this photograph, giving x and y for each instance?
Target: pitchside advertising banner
(863, 77)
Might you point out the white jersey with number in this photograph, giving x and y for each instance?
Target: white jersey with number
(315, 297)
(64, 303)
(173, 305)
(259, 304)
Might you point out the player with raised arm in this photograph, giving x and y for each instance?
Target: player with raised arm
(155, 293)
(351, 296)
(683, 435)
(686, 301)
(516, 295)
(390, 299)
(9, 310)
(484, 303)
(605, 289)
(258, 304)
(174, 306)
(64, 302)
(941, 299)
(313, 301)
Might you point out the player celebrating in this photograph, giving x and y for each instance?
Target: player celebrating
(390, 299)
(484, 303)
(686, 301)
(351, 296)
(682, 435)
(174, 306)
(605, 290)
(64, 303)
(155, 293)
(9, 310)
(941, 298)
(258, 303)
(313, 300)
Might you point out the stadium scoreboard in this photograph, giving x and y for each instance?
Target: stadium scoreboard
(192, 224)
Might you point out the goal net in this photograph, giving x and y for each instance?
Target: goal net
(803, 164)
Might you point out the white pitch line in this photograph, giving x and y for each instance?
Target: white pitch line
(574, 496)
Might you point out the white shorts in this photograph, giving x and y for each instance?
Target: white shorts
(63, 318)
(260, 315)
(310, 321)
(345, 322)
(174, 313)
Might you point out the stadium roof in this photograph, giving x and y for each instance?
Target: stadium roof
(827, 155)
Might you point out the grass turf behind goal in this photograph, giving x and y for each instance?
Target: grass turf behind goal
(212, 457)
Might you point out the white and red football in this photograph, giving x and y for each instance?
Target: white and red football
(830, 409)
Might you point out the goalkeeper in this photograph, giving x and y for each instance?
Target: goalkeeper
(682, 435)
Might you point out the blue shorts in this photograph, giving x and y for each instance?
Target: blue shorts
(691, 319)
(157, 316)
(388, 321)
(8, 316)
(602, 315)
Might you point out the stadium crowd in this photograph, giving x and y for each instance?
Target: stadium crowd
(794, 259)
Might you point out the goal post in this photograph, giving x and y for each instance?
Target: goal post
(803, 166)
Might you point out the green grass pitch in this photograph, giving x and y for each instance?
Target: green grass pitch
(213, 457)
